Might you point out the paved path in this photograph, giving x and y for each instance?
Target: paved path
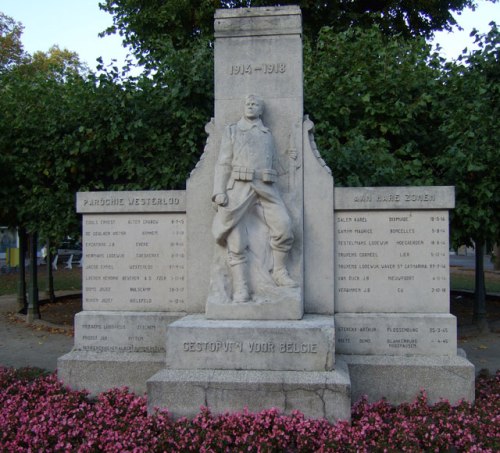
(22, 345)
(37, 346)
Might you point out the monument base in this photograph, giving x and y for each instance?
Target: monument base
(317, 394)
(400, 379)
(195, 342)
(99, 372)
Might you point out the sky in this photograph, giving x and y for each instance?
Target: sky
(75, 25)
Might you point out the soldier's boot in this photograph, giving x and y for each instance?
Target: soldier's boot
(280, 273)
(240, 286)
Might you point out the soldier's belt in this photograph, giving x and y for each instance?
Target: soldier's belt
(249, 174)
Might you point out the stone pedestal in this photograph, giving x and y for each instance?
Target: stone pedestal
(230, 365)
(115, 349)
(197, 343)
(317, 394)
(99, 372)
(400, 379)
(286, 305)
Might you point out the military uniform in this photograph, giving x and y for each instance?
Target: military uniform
(246, 171)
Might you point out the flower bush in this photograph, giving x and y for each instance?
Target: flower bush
(37, 413)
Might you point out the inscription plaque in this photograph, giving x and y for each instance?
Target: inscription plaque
(194, 342)
(396, 334)
(121, 333)
(392, 261)
(134, 262)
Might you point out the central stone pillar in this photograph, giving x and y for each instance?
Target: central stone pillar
(264, 335)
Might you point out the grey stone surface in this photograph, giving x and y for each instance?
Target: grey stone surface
(99, 372)
(265, 308)
(133, 287)
(396, 334)
(271, 67)
(392, 261)
(98, 331)
(242, 22)
(319, 283)
(134, 262)
(131, 201)
(199, 217)
(194, 342)
(252, 227)
(316, 394)
(401, 379)
(364, 198)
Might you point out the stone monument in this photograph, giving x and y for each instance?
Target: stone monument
(261, 285)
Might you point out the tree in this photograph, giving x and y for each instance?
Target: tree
(33, 115)
(471, 159)
(174, 41)
(374, 99)
(11, 48)
(150, 26)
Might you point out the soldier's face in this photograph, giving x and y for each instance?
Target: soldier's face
(253, 108)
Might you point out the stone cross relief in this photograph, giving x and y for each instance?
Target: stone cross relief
(250, 208)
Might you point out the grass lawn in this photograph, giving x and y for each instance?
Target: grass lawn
(71, 279)
(64, 279)
(463, 279)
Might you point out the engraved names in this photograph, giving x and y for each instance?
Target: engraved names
(134, 262)
(390, 334)
(392, 261)
(121, 333)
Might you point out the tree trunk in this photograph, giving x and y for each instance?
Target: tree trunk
(33, 311)
(21, 287)
(49, 291)
(479, 315)
(496, 253)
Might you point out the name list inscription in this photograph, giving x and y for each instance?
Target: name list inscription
(403, 334)
(134, 262)
(392, 261)
(141, 332)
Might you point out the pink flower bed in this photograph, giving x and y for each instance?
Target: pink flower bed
(37, 413)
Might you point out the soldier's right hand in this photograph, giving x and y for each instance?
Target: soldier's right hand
(221, 199)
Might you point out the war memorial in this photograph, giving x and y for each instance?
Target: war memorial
(262, 285)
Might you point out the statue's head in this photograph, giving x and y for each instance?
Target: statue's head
(254, 106)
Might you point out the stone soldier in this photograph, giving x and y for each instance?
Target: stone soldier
(245, 174)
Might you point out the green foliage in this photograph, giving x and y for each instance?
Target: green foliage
(65, 129)
(374, 102)
(471, 158)
(151, 27)
(11, 47)
(32, 111)
(386, 112)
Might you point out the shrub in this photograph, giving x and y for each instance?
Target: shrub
(37, 413)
